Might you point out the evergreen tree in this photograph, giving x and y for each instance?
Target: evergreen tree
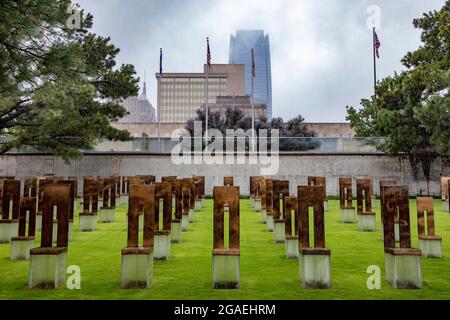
(58, 87)
(412, 109)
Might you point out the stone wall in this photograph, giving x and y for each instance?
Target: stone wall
(331, 130)
(293, 167)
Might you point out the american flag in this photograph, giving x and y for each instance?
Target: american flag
(208, 54)
(377, 44)
(253, 64)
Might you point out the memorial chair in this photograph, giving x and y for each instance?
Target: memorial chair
(163, 220)
(48, 262)
(10, 204)
(445, 187)
(347, 210)
(88, 216)
(429, 243)
(107, 210)
(137, 258)
(24, 242)
(366, 217)
(269, 204)
(403, 263)
(320, 181)
(314, 259)
(226, 260)
(280, 192)
(291, 219)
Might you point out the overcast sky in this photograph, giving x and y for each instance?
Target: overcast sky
(321, 49)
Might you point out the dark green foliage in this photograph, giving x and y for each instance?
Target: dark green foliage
(57, 86)
(412, 109)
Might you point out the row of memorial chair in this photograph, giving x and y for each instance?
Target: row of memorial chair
(291, 225)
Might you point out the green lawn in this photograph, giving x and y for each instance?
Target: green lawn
(265, 272)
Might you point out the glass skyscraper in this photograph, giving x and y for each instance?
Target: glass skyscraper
(240, 53)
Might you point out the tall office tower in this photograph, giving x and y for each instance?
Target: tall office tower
(139, 109)
(240, 53)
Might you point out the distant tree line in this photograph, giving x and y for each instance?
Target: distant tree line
(235, 118)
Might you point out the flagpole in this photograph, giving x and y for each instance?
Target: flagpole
(374, 63)
(253, 103)
(159, 99)
(207, 89)
(206, 101)
(374, 70)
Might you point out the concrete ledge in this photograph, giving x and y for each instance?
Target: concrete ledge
(106, 215)
(315, 271)
(198, 205)
(134, 162)
(38, 222)
(325, 205)
(191, 216)
(176, 234)
(258, 205)
(431, 248)
(291, 248)
(162, 246)
(87, 223)
(47, 271)
(20, 248)
(70, 237)
(8, 229)
(404, 271)
(124, 199)
(270, 222)
(226, 271)
(367, 222)
(137, 271)
(263, 216)
(348, 215)
(279, 231)
(445, 206)
(185, 223)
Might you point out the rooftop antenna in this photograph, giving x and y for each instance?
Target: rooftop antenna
(145, 85)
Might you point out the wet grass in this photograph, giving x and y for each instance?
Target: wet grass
(265, 272)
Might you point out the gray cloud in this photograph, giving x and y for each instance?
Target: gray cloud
(321, 50)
